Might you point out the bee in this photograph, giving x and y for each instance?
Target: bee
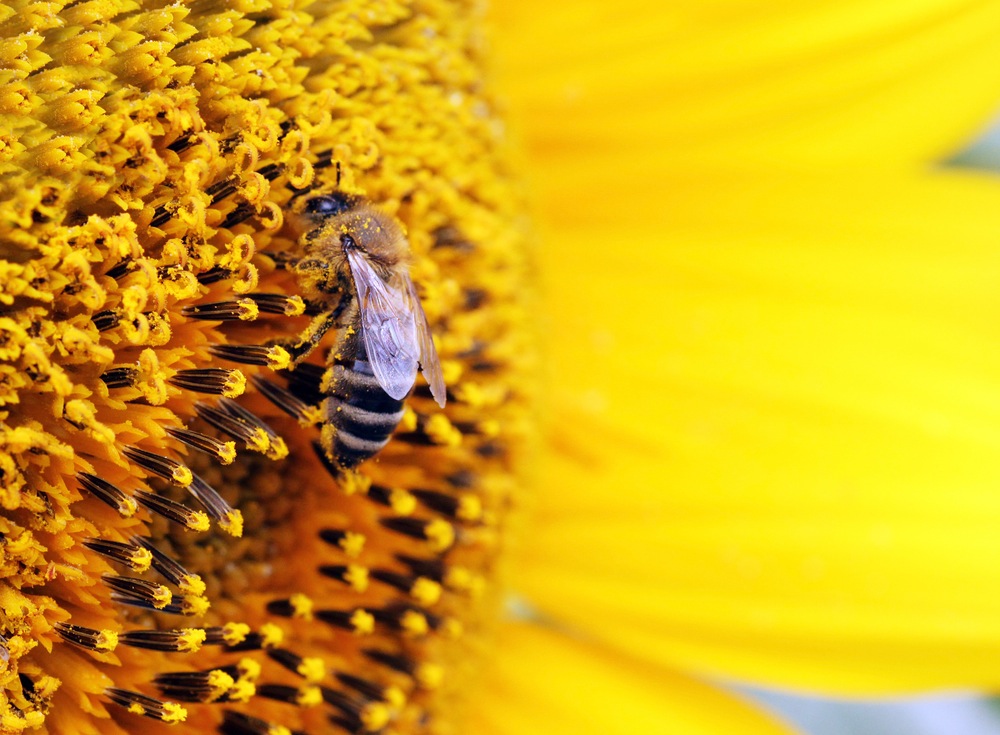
(355, 272)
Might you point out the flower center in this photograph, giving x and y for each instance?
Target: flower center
(181, 538)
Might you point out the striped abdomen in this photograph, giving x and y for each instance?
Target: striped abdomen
(362, 414)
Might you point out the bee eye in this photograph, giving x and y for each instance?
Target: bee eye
(328, 205)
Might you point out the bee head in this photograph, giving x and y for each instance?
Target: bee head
(324, 206)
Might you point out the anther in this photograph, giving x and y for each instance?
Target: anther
(120, 377)
(101, 641)
(108, 494)
(275, 357)
(438, 533)
(426, 675)
(425, 591)
(193, 520)
(244, 310)
(410, 621)
(160, 466)
(135, 557)
(171, 569)
(276, 303)
(214, 275)
(140, 704)
(105, 320)
(140, 592)
(214, 381)
(195, 686)
(372, 690)
(465, 507)
(224, 452)
(178, 640)
(253, 437)
(311, 669)
(277, 449)
(354, 576)
(229, 519)
(304, 696)
(299, 410)
(230, 634)
(358, 621)
(240, 213)
(350, 542)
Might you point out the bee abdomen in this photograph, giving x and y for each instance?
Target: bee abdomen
(362, 414)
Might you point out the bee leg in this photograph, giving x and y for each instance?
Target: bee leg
(322, 323)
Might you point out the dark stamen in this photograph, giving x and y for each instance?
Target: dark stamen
(225, 452)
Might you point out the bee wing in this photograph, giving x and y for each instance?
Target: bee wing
(430, 365)
(388, 328)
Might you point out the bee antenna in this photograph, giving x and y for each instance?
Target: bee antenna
(337, 185)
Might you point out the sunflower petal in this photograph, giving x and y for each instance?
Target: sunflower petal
(779, 430)
(825, 82)
(544, 682)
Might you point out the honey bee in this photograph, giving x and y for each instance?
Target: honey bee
(355, 271)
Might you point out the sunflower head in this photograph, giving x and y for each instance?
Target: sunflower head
(175, 543)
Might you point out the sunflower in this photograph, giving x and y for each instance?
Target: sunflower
(178, 546)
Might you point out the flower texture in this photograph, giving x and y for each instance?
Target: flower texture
(176, 544)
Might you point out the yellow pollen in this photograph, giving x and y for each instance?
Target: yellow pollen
(414, 623)
(354, 482)
(409, 422)
(233, 523)
(272, 635)
(402, 502)
(227, 452)
(440, 535)
(235, 633)
(191, 639)
(141, 559)
(309, 696)
(162, 597)
(394, 697)
(278, 449)
(242, 691)
(312, 669)
(352, 543)
(429, 676)
(220, 683)
(173, 713)
(441, 431)
(278, 358)
(248, 311)
(192, 584)
(363, 622)
(425, 591)
(249, 669)
(302, 606)
(182, 475)
(235, 384)
(199, 521)
(107, 640)
(470, 508)
(357, 577)
(375, 716)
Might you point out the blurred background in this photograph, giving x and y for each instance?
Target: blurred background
(958, 714)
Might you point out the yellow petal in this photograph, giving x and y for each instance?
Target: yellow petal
(833, 82)
(544, 682)
(779, 425)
